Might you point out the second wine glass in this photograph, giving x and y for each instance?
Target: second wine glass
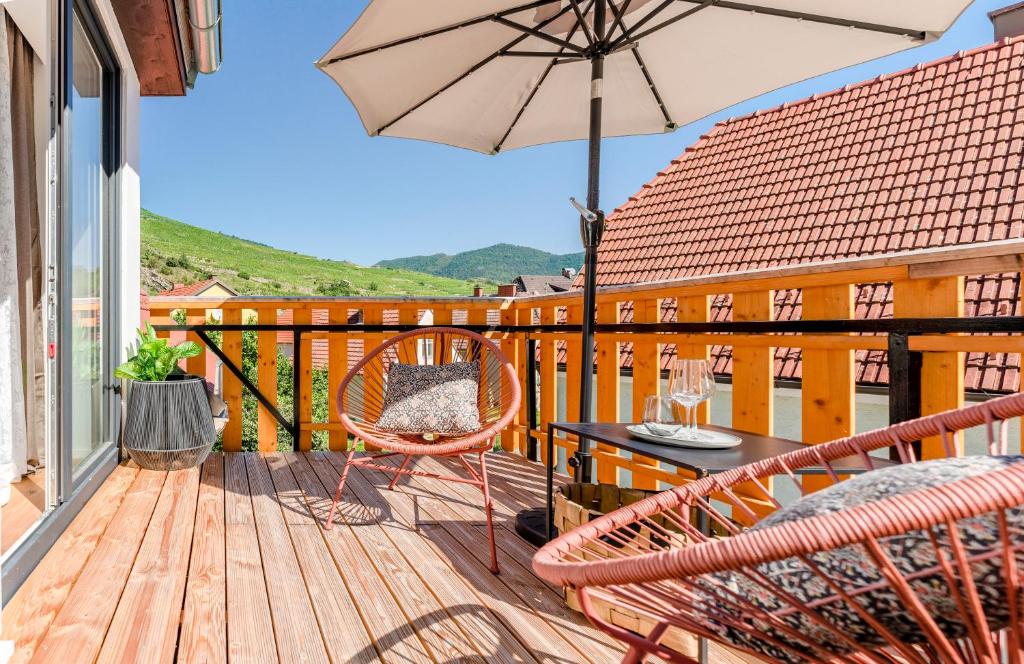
(691, 382)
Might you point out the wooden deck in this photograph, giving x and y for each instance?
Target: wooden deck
(230, 563)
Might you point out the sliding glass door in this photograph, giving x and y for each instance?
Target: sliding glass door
(88, 230)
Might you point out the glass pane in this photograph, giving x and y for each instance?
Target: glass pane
(85, 218)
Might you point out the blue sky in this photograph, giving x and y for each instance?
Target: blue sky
(269, 149)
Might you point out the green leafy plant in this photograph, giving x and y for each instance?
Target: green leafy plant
(155, 358)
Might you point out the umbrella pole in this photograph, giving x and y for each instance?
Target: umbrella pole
(590, 233)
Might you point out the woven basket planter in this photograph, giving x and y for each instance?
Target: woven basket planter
(578, 503)
(168, 424)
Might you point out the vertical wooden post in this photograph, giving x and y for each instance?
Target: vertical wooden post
(753, 369)
(337, 367)
(573, 361)
(232, 347)
(753, 380)
(694, 309)
(548, 376)
(827, 390)
(266, 379)
(608, 385)
(372, 315)
(524, 316)
(304, 316)
(646, 377)
(161, 317)
(195, 365)
(942, 373)
(510, 438)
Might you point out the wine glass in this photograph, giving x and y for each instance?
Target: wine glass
(690, 383)
(661, 416)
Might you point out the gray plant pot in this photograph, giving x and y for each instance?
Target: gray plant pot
(168, 425)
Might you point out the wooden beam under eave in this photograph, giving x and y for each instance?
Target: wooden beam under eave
(152, 32)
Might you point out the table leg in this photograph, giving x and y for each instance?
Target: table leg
(549, 517)
(704, 526)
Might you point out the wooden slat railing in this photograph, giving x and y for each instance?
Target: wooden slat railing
(926, 284)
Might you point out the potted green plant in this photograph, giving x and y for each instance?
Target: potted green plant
(168, 423)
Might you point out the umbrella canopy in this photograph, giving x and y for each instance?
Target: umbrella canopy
(492, 75)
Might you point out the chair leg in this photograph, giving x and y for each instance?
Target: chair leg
(394, 480)
(488, 509)
(341, 487)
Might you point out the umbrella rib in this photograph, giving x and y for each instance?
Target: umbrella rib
(537, 33)
(439, 31)
(627, 33)
(625, 36)
(618, 18)
(581, 22)
(471, 70)
(540, 82)
(643, 67)
(919, 35)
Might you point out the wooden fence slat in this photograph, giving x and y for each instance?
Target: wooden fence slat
(828, 390)
(573, 365)
(646, 377)
(548, 369)
(337, 368)
(608, 386)
(232, 389)
(942, 373)
(195, 365)
(510, 347)
(305, 397)
(266, 380)
(753, 377)
(372, 315)
(694, 309)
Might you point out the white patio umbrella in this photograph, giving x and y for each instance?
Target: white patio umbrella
(492, 75)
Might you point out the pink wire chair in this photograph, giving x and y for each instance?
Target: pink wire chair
(650, 559)
(361, 400)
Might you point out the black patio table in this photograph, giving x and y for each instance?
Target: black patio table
(755, 447)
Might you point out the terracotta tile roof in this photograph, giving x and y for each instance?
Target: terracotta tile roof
(929, 156)
(183, 290)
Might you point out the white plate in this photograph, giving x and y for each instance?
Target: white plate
(708, 440)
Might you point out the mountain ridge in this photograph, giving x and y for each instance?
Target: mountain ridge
(502, 262)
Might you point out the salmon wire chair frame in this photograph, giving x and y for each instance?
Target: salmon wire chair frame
(651, 560)
(361, 396)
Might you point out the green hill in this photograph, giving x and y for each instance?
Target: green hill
(175, 252)
(501, 262)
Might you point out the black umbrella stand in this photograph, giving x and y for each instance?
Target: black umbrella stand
(530, 523)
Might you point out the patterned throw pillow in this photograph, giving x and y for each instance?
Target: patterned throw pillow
(852, 568)
(431, 399)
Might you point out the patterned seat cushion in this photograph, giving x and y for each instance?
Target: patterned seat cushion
(432, 399)
(853, 569)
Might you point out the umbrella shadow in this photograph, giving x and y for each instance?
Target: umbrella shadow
(502, 643)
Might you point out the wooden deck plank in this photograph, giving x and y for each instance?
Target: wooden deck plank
(145, 626)
(458, 518)
(77, 632)
(295, 624)
(344, 633)
(432, 623)
(491, 638)
(30, 612)
(235, 554)
(393, 636)
(250, 628)
(204, 619)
